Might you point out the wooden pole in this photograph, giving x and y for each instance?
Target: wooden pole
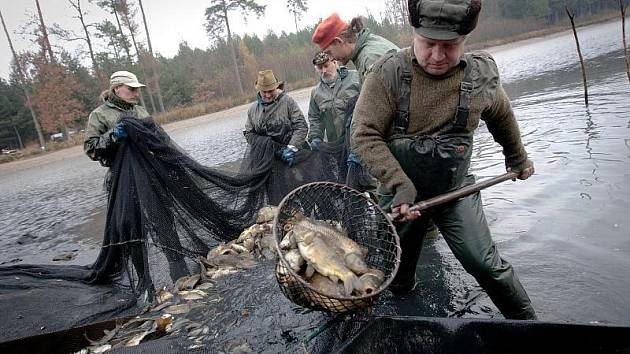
(459, 193)
(577, 43)
(623, 37)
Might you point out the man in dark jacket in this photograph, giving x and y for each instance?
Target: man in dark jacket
(276, 115)
(329, 100)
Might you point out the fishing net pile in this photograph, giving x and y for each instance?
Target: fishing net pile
(164, 210)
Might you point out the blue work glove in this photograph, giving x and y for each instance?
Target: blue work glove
(315, 144)
(119, 131)
(288, 154)
(353, 159)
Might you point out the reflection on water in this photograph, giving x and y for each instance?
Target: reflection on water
(564, 230)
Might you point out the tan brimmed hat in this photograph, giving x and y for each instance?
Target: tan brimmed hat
(124, 78)
(267, 81)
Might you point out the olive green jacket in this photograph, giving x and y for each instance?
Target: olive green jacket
(368, 49)
(433, 103)
(327, 108)
(282, 120)
(99, 144)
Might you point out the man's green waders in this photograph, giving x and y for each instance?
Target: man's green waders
(437, 165)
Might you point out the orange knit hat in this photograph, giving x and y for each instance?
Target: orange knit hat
(327, 30)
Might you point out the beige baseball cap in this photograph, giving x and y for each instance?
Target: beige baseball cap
(124, 78)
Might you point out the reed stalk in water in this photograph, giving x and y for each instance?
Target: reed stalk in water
(623, 37)
(577, 43)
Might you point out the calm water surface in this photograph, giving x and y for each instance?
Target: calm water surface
(566, 230)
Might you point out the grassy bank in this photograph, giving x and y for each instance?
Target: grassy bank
(33, 149)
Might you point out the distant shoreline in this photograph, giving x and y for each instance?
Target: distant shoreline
(540, 33)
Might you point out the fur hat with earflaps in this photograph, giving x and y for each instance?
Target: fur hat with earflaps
(267, 81)
(443, 19)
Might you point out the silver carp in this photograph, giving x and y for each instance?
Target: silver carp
(325, 260)
(371, 281)
(351, 252)
(266, 214)
(295, 259)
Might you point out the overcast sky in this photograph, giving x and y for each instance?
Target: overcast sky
(171, 21)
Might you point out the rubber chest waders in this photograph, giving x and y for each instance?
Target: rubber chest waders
(437, 165)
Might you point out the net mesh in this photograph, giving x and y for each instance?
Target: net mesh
(165, 209)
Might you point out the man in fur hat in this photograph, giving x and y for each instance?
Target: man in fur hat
(413, 129)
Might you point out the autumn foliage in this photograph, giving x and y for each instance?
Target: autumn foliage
(54, 99)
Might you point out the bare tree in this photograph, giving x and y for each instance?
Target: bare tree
(76, 4)
(42, 28)
(397, 12)
(128, 15)
(154, 63)
(577, 43)
(113, 7)
(21, 77)
(217, 22)
(297, 8)
(70, 36)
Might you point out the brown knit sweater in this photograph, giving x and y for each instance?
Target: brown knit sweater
(433, 103)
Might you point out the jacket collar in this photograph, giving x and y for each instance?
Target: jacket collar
(362, 38)
(114, 101)
(259, 100)
(342, 72)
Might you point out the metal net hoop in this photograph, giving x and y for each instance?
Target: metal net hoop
(365, 223)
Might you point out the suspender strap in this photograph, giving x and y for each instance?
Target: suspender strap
(465, 89)
(401, 121)
(402, 107)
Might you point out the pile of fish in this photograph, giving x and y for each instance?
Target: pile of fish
(181, 310)
(321, 252)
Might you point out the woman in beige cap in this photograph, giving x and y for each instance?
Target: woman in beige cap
(102, 132)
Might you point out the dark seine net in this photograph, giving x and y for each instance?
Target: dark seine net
(164, 210)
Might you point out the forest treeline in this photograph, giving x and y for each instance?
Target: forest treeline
(52, 90)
